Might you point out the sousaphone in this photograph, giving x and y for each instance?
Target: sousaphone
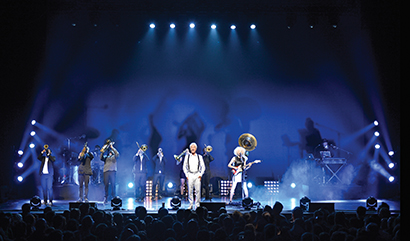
(247, 141)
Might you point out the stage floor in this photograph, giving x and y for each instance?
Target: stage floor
(129, 205)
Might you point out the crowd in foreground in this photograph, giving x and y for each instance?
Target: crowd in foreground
(90, 224)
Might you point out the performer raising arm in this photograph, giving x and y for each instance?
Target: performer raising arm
(110, 168)
(84, 172)
(47, 174)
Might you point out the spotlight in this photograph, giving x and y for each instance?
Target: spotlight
(33, 122)
(249, 185)
(32, 145)
(35, 203)
(233, 27)
(304, 203)
(20, 152)
(391, 179)
(192, 25)
(292, 185)
(213, 26)
(20, 165)
(371, 203)
(130, 185)
(377, 146)
(376, 133)
(391, 165)
(20, 178)
(170, 185)
(247, 203)
(175, 203)
(152, 25)
(116, 203)
(172, 26)
(391, 153)
(253, 26)
(376, 123)
(32, 133)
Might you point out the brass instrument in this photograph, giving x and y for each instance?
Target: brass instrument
(178, 158)
(107, 144)
(208, 148)
(144, 147)
(82, 153)
(247, 141)
(45, 146)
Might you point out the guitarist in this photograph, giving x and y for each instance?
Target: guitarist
(238, 165)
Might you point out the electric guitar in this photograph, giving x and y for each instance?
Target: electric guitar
(242, 168)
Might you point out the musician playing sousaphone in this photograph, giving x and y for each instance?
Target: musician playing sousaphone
(239, 163)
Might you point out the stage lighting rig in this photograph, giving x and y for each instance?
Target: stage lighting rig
(116, 203)
(247, 203)
(175, 203)
(35, 203)
(371, 203)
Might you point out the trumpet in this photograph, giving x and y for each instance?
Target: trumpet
(83, 151)
(107, 144)
(178, 158)
(144, 147)
(208, 148)
(45, 146)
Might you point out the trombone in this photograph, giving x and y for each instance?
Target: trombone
(178, 158)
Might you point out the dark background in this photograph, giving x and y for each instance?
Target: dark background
(121, 78)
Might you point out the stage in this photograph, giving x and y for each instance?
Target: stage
(152, 206)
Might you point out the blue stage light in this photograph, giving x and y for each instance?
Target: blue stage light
(253, 26)
(20, 164)
(172, 26)
(32, 145)
(20, 178)
(32, 133)
(130, 185)
(391, 179)
(152, 25)
(192, 25)
(233, 27)
(292, 185)
(391, 153)
(213, 26)
(20, 152)
(33, 122)
(376, 133)
(376, 123)
(170, 185)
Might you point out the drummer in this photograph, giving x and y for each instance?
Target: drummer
(97, 166)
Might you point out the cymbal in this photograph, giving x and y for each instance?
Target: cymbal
(247, 141)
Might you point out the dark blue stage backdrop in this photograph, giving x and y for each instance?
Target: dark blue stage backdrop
(168, 87)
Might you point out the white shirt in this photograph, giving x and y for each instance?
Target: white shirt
(45, 168)
(192, 166)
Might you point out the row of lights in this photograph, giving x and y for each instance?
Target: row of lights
(192, 25)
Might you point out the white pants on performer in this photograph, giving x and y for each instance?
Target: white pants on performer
(194, 183)
(235, 179)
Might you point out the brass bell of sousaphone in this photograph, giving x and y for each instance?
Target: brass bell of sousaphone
(247, 141)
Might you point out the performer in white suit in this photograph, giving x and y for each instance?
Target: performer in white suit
(194, 168)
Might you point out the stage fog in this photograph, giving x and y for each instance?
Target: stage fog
(169, 87)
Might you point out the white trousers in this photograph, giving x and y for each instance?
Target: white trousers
(194, 183)
(238, 178)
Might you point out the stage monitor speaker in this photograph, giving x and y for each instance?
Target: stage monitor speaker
(313, 206)
(77, 205)
(213, 206)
